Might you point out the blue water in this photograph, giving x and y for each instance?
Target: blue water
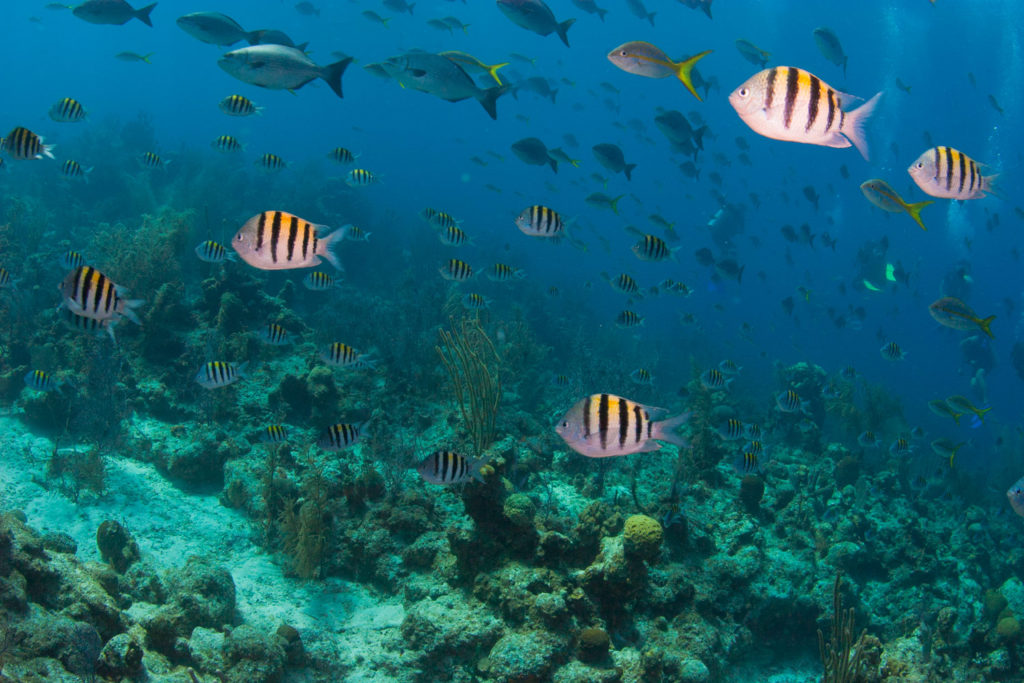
(421, 147)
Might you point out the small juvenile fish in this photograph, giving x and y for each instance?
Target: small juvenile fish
(627, 319)
(448, 467)
(344, 356)
(41, 381)
(318, 281)
(892, 351)
(227, 143)
(152, 160)
(453, 236)
(342, 155)
(644, 59)
(500, 272)
(605, 425)
(275, 240)
(72, 169)
(360, 177)
(270, 162)
(340, 436)
(623, 283)
(70, 260)
(714, 379)
(274, 434)
(948, 173)
(274, 335)
(353, 233)
(789, 401)
(540, 221)
(213, 252)
(642, 376)
(879, 193)
(217, 374)
(456, 270)
(22, 144)
(239, 105)
(68, 110)
(868, 439)
(787, 103)
(730, 430)
(475, 302)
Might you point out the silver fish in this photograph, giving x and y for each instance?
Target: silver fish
(279, 67)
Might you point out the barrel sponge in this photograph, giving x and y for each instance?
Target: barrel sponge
(642, 536)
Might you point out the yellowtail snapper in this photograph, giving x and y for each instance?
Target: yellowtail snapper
(879, 193)
(644, 59)
(954, 313)
(943, 409)
(964, 405)
(217, 374)
(947, 448)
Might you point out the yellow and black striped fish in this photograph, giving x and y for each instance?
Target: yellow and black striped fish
(453, 236)
(439, 219)
(270, 162)
(80, 323)
(501, 272)
(714, 379)
(72, 169)
(448, 467)
(360, 177)
(227, 143)
(950, 174)
(475, 302)
(730, 430)
(651, 247)
(89, 292)
(275, 240)
(622, 283)
(892, 351)
(540, 221)
(237, 105)
(628, 319)
(456, 270)
(605, 425)
(353, 233)
(747, 463)
(213, 252)
(41, 381)
(339, 436)
(5, 278)
(67, 110)
(642, 376)
(217, 374)
(319, 281)
(152, 160)
(788, 103)
(22, 144)
(274, 334)
(274, 434)
(344, 356)
(341, 155)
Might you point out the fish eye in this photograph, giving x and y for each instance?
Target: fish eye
(744, 92)
(920, 164)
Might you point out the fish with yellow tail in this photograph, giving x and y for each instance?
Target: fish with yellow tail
(948, 173)
(953, 312)
(644, 59)
(605, 425)
(276, 240)
(881, 194)
(788, 103)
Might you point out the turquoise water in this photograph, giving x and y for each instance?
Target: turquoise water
(319, 552)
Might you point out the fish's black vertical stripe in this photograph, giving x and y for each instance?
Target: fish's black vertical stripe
(586, 417)
(938, 161)
(602, 420)
(275, 235)
(293, 232)
(445, 459)
(769, 91)
(792, 88)
(812, 112)
(260, 228)
(306, 229)
(623, 421)
(87, 286)
(963, 171)
(949, 167)
(972, 166)
(638, 414)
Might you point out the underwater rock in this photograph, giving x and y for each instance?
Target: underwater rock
(593, 644)
(642, 537)
(120, 658)
(1013, 590)
(441, 630)
(59, 542)
(254, 657)
(751, 492)
(525, 656)
(205, 592)
(1008, 629)
(613, 579)
(846, 471)
(519, 510)
(116, 545)
(291, 640)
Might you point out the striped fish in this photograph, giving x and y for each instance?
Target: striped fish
(448, 467)
(714, 379)
(892, 351)
(152, 160)
(217, 374)
(360, 177)
(342, 155)
(439, 219)
(22, 144)
(453, 236)
(729, 367)
(339, 436)
(274, 434)
(81, 323)
(950, 174)
(67, 110)
(752, 430)
(900, 447)
(789, 401)
(642, 376)
(540, 221)
(213, 252)
(72, 169)
(605, 425)
(237, 105)
(500, 272)
(475, 302)
(652, 247)
(626, 319)
(227, 143)
(274, 335)
(623, 283)
(787, 103)
(271, 163)
(456, 270)
(70, 260)
(89, 292)
(344, 356)
(747, 463)
(353, 233)
(275, 240)
(730, 430)
(755, 447)
(318, 281)
(41, 381)
(5, 278)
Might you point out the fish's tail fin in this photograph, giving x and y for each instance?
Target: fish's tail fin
(665, 430)
(146, 57)
(854, 126)
(650, 18)
(915, 212)
(684, 70)
(409, 7)
(142, 14)
(474, 465)
(614, 204)
(493, 70)
(980, 412)
(628, 170)
(331, 243)
(601, 13)
(989, 186)
(563, 30)
(553, 163)
(128, 310)
(984, 324)
(489, 101)
(333, 73)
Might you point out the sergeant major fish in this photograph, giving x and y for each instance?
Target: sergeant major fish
(22, 144)
(605, 425)
(217, 374)
(90, 293)
(275, 240)
(950, 174)
(448, 467)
